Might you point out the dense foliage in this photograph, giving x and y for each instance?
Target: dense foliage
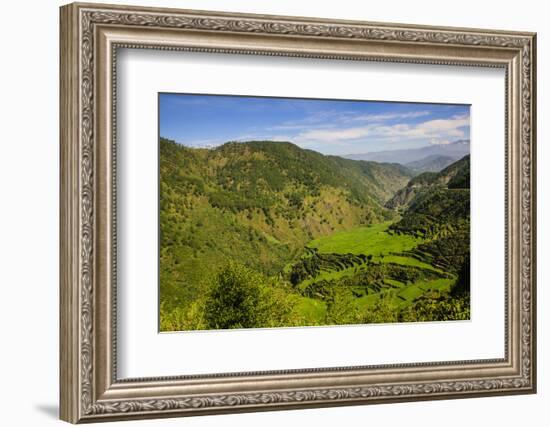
(258, 204)
(265, 234)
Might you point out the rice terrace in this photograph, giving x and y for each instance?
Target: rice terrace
(282, 212)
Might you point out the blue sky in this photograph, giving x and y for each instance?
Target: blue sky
(326, 126)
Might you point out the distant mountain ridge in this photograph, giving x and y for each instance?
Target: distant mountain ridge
(454, 150)
(454, 176)
(433, 163)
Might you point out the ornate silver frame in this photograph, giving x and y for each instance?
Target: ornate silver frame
(90, 36)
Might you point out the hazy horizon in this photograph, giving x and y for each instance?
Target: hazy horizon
(332, 127)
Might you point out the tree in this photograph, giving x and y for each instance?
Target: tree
(243, 298)
(462, 285)
(436, 308)
(233, 299)
(384, 310)
(341, 308)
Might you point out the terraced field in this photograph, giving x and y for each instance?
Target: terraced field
(372, 263)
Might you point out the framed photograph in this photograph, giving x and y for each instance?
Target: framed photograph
(266, 212)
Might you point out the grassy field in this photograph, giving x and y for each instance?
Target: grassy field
(382, 247)
(373, 240)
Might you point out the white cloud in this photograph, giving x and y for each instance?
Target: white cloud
(334, 134)
(432, 130)
(330, 119)
(437, 141)
(446, 125)
(390, 116)
(202, 143)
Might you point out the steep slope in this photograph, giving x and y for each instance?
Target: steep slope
(258, 203)
(412, 269)
(456, 175)
(438, 209)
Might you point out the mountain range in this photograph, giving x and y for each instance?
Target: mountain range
(433, 163)
(454, 176)
(330, 240)
(454, 150)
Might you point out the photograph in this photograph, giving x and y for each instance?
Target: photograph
(298, 212)
(275, 209)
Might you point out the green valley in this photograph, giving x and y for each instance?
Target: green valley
(267, 234)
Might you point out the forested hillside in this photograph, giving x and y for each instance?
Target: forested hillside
(265, 233)
(456, 175)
